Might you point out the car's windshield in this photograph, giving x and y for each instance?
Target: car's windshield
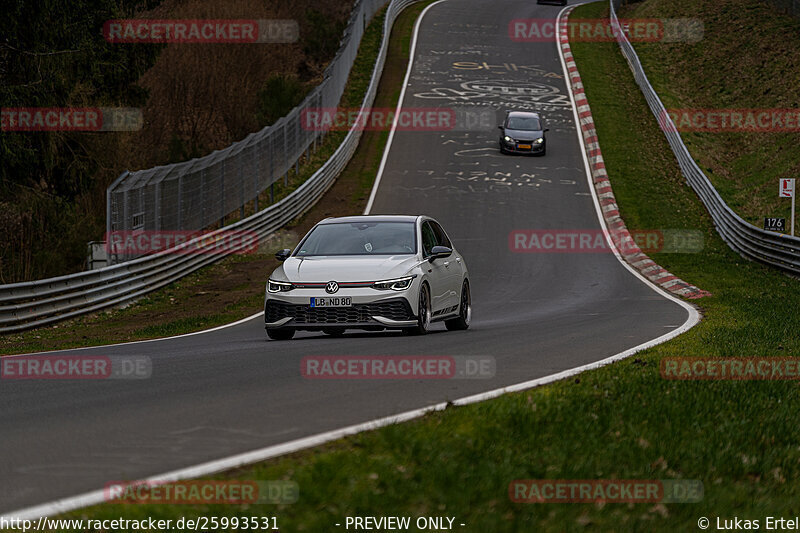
(523, 123)
(360, 238)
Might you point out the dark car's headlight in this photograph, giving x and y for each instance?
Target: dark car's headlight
(279, 286)
(508, 139)
(540, 140)
(399, 284)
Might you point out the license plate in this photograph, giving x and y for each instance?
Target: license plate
(525, 146)
(334, 301)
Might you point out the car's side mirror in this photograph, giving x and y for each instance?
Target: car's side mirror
(439, 251)
(547, 129)
(283, 255)
(500, 127)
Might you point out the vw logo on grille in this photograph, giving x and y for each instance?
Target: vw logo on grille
(331, 287)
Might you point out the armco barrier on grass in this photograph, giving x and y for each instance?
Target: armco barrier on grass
(775, 249)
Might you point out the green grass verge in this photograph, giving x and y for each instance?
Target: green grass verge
(622, 421)
(749, 58)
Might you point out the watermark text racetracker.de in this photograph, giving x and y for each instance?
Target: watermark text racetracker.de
(596, 241)
(206, 31)
(741, 120)
(688, 30)
(605, 491)
(84, 119)
(457, 118)
(730, 368)
(398, 367)
(74, 367)
(143, 242)
(202, 492)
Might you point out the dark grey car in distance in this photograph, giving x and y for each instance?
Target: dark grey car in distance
(523, 132)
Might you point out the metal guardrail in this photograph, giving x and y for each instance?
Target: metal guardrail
(38, 303)
(196, 194)
(775, 249)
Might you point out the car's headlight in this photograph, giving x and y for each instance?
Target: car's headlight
(279, 286)
(540, 140)
(399, 284)
(508, 139)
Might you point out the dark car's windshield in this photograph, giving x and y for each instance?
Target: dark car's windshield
(361, 238)
(524, 123)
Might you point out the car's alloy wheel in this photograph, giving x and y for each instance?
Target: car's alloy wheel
(423, 312)
(464, 311)
(280, 334)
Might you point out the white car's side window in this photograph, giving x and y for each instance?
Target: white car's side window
(428, 239)
(441, 236)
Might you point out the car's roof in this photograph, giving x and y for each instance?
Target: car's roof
(523, 114)
(370, 218)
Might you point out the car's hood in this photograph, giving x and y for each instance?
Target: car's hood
(344, 268)
(524, 134)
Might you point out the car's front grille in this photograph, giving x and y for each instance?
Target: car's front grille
(395, 309)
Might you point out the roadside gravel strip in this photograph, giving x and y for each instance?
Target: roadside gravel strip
(632, 254)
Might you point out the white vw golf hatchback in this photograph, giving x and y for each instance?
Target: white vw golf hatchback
(369, 272)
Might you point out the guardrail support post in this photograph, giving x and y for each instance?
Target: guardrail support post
(286, 155)
(222, 197)
(256, 181)
(241, 191)
(203, 196)
(297, 144)
(157, 194)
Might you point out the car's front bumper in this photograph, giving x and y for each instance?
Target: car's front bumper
(514, 147)
(368, 310)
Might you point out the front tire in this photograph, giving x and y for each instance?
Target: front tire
(423, 312)
(464, 311)
(280, 334)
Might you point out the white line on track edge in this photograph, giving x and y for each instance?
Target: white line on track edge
(101, 346)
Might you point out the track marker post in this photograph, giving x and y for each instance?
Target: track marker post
(786, 189)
